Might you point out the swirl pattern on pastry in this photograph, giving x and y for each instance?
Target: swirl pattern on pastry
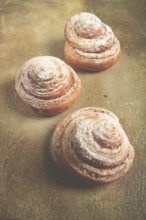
(90, 44)
(92, 144)
(47, 84)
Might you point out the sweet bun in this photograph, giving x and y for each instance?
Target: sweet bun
(47, 84)
(92, 144)
(90, 44)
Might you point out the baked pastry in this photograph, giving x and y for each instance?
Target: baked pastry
(90, 44)
(47, 84)
(92, 144)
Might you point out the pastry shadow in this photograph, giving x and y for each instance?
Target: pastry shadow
(62, 176)
(84, 71)
(56, 48)
(13, 103)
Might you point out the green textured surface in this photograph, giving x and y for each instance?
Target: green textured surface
(29, 189)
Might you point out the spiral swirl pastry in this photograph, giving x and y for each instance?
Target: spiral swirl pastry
(92, 144)
(47, 85)
(90, 44)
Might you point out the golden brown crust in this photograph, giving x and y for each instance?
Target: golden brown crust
(90, 44)
(47, 85)
(92, 144)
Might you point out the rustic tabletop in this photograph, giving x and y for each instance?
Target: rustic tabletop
(30, 186)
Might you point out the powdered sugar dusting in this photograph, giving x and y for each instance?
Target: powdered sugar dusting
(44, 81)
(89, 38)
(92, 143)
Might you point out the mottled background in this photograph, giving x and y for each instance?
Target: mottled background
(30, 187)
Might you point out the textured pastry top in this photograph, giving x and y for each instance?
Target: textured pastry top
(92, 143)
(90, 37)
(45, 81)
